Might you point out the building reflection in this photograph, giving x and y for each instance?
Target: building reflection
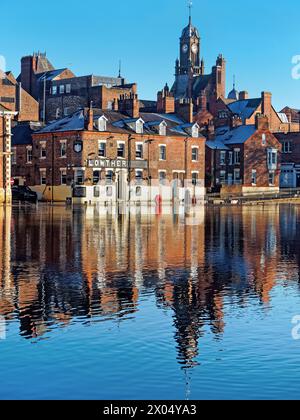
(61, 266)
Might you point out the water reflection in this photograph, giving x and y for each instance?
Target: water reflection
(62, 266)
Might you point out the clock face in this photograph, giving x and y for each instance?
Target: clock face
(195, 48)
(185, 48)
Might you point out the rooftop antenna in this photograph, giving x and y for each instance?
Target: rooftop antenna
(234, 81)
(120, 68)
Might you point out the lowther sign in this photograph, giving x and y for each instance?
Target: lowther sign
(117, 164)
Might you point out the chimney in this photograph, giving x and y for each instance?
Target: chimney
(202, 101)
(90, 125)
(185, 109)
(266, 104)
(115, 105)
(165, 101)
(129, 104)
(235, 121)
(210, 130)
(243, 95)
(261, 122)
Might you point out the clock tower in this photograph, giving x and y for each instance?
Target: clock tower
(189, 62)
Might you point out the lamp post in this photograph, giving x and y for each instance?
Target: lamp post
(149, 142)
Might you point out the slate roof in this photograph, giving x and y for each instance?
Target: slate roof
(237, 135)
(22, 133)
(50, 75)
(216, 145)
(120, 123)
(244, 108)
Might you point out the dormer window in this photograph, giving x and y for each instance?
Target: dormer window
(102, 123)
(195, 130)
(162, 128)
(139, 126)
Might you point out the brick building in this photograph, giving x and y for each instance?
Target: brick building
(247, 109)
(290, 159)
(60, 93)
(243, 159)
(5, 154)
(105, 156)
(14, 98)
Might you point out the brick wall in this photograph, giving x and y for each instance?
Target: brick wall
(179, 155)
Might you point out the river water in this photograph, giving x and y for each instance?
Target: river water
(100, 305)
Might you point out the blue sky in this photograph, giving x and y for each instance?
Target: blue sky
(258, 40)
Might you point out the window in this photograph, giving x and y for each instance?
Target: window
(223, 115)
(67, 111)
(43, 154)
(237, 156)
(230, 158)
(121, 150)
(139, 127)
(102, 123)
(253, 177)
(102, 149)
(62, 89)
(263, 139)
(63, 177)
(195, 178)
(195, 130)
(195, 154)
(29, 154)
(109, 177)
(43, 179)
(271, 178)
(162, 152)
(139, 151)
(162, 177)
(63, 149)
(54, 90)
(222, 177)
(139, 176)
(79, 176)
(68, 88)
(222, 157)
(163, 129)
(96, 177)
(14, 156)
(287, 147)
(272, 158)
(237, 176)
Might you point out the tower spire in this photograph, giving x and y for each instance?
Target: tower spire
(190, 6)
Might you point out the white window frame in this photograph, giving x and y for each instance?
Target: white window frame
(254, 171)
(162, 171)
(61, 89)
(29, 149)
(68, 88)
(223, 157)
(43, 148)
(119, 143)
(102, 142)
(63, 143)
(43, 171)
(63, 172)
(197, 153)
(163, 146)
(138, 144)
(54, 90)
(237, 153)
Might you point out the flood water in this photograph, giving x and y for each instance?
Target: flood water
(95, 305)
